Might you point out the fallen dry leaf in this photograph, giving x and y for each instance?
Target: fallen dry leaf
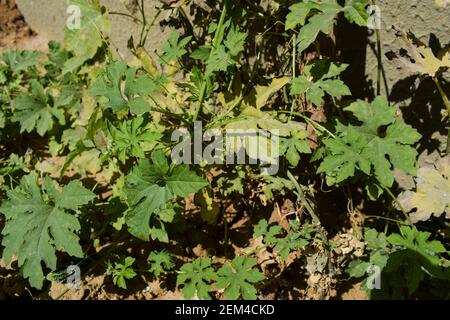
(432, 195)
(416, 57)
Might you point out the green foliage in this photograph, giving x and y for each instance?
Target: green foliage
(41, 222)
(109, 123)
(34, 111)
(160, 262)
(226, 53)
(131, 137)
(292, 147)
(269, 235)
(404, 260)
(196, 278)
(173, 48)
(10, 167)
(132, 96)
(18, 61)
(238, 278)
(319, 16)
(121, 272)
(365, 147)
(378, 251)
(416, 256)
(196, 84)
(284, 242)
(149, 188)
(317, 79)
(278, 185)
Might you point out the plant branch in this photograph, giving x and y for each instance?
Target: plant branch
(447, 105)
(214, 45)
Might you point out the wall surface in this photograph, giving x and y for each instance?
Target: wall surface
(420, 102)
(48, 17)
(422, 17)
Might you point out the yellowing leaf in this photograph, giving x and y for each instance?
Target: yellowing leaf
(147, 61)
(432, 196)
(88, 105)
(88, 161)
(264, 93)
(257, 146)
(86, 40)
(441, 3)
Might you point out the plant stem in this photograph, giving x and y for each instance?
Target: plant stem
(214, 46)
(126, 15)
(302, 197)
(144, 21)
(443, 95)
(144, 40)
(447, 105)
(294, 65)
(379, 60)
(389, 192)
(380, 70)
(310, 121)
(388, 219)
